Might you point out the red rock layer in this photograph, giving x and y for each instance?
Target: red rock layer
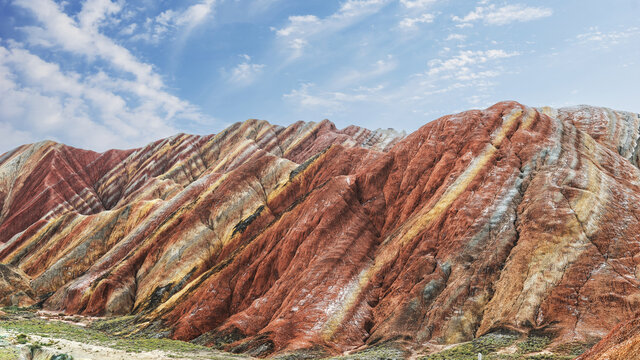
(623, 343)
(264, 239)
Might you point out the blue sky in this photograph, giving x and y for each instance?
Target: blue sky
(102, 74)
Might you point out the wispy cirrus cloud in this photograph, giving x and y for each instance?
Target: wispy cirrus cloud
(417, 4)
(494, 15)
(360, 76)
(345, 88)
(245, 72)
(301, 29)
(412, 22)
(607, 39)
(455, 37)
(171, 21)
(467, 65)
(471, 69)
(328, 102)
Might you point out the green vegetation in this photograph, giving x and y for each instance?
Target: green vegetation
(485, 345)
(533, 343)
(27, 329)
(54, 329)
(494, 347)
(306, 354)
(549, 357)
(116, 326)
(7, 353)
(26, 324)
(66, 331)
(13, 309)
(573, 349)
(22, 339)
(62, 357)
(376, 352)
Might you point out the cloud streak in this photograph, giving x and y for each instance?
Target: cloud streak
(300, 30)
(410, 23)
(493, 15)
(171, 21)
(245, 73)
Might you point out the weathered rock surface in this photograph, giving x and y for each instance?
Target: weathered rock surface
(14, 287)
(622, 343)
(264, 239)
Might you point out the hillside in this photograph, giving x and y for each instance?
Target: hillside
(269, 240)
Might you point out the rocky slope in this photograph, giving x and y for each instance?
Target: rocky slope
(268, 240)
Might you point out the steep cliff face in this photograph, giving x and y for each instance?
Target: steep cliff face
(266, 239)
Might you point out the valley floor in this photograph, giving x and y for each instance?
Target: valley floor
(35, 335)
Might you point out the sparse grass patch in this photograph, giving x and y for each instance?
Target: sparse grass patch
(143, 344)
(17, 309)
(119, 325)
(376, 352)
(54, 329)
(303, 354)
(8, 353)
(549, 357)
(484, 345)
(534, 343)
(573, 348)
(62, 330)
(22, 339)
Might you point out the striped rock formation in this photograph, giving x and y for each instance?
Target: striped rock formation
(623, 343)
(268, 240)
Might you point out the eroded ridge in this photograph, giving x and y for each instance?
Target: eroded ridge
(267, 240)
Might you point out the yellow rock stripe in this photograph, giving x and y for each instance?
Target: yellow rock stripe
(420, 222)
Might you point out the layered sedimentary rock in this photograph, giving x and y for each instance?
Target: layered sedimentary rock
(622, 343)
(264, 239)
(14, 287)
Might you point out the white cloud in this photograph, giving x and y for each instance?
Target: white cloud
(129, 29)
(410, 23)
(413, 4)
(171, 20)
(303, 98)
(59, 30)
(359, 76)
(245, 73)
(460, 73)
(302, 28)
(91, 111)
(190, 17)
(493, 15)
(464, 25)
(463, 66)
(299, 25)
(457, 37)
(607, 39)
(118, 101)
(38, 99)
(94, 12)
(309, 97)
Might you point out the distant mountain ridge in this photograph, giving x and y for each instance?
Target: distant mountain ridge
(268, 240)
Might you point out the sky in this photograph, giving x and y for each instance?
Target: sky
(101, 74)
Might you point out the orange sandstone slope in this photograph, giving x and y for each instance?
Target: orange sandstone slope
(265, 240)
